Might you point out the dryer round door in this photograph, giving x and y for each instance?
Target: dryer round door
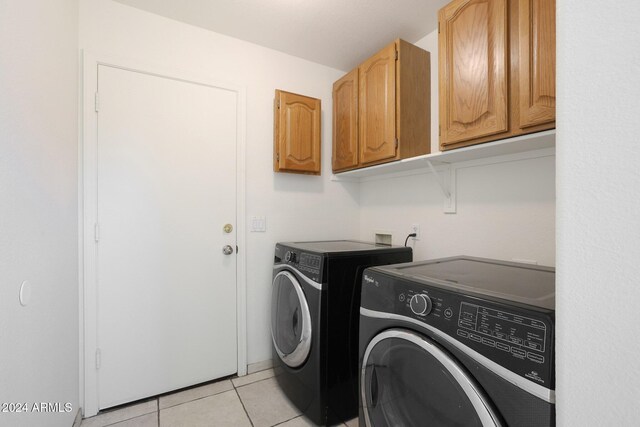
(290, 320)
(408, 380)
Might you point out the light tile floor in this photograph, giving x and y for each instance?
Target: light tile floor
(253, 400)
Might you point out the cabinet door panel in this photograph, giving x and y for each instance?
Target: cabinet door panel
(537, 62)
(473, 70)
(345, 122)
(298, 133)
(377, 105)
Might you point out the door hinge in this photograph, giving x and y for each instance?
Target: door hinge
(438, 27)
(439, 130)
(396, 55)
(98, 358)
(277, 157)
(397, 143)
(96, 232)
(97, 102)
(278, 103)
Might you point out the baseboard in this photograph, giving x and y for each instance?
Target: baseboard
(259, 366)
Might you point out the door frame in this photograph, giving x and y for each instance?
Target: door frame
(87, 210)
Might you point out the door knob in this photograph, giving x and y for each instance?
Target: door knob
(227, 250)
(228, 228)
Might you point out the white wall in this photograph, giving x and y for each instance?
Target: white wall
(597, 210)
(505, 206)
(38, 208)
(598, 269)
(296, 206)
(598, 205)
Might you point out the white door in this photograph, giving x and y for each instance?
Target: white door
(166, 186)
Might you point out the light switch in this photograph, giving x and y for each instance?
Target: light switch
(258, 224)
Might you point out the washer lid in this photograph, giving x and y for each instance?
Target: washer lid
(528, 284)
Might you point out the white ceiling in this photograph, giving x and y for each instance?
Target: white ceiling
(337, 33)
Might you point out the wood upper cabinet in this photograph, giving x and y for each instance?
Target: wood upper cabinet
(496, 70)
(473, 69)
(345, 122)
(537, 62)
(296, 134)
(381, 110)
(377, 108)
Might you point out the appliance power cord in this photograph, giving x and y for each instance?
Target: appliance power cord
(407, 239)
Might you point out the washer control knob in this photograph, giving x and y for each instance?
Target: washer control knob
(290, 256)
(420, 304)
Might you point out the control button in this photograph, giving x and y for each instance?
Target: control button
(533, 345)
(537, 324)
(402, 297)
(484, 331)
(516, 340)
(503, 347)
(535, 357)
(465, 324)
(448, 313)
(518, 352)
(463, 334)
(420, 304)
(487, 341)
(475, 337)
(500, 335)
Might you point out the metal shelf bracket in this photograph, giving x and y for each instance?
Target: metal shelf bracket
(447, 185)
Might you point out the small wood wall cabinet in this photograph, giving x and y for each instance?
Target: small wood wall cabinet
(381, 110)
(296, 147)
(496, 70)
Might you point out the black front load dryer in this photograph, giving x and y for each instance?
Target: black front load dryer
(458, 341)
(314, 322)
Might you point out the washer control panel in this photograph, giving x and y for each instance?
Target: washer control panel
(308, 264)
(514, 333)
(519, 339)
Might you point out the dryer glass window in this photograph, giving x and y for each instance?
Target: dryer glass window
(404, 384)
(290, 320)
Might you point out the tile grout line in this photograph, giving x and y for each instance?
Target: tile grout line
(253, 382)
(196, 399)
(233, 387)
(242, 403)
(301, 416)
(129, 419)
(286, 421)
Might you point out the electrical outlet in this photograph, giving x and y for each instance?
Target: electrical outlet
(415, 228)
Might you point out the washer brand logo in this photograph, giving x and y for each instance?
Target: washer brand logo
(368, 279)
